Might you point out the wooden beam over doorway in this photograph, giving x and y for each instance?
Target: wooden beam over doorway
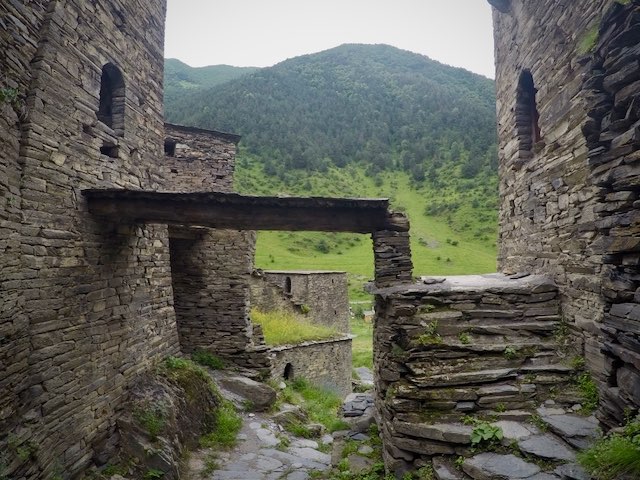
(242, 212)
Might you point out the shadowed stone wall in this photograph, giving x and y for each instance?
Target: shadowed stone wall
(611, 128)
(566, 194)
(211, 273)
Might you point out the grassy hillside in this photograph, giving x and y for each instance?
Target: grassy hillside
(456, 241)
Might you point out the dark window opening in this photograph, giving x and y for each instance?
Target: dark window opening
(288, 372)
(527, 116)
(287, 285)
(109, 150)
(170, 147)
(112, 98)
(174, 170)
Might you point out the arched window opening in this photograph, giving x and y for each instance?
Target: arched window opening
(287, 285)
(170, 147)
(112, 98)
(527, 116)
(288, 372)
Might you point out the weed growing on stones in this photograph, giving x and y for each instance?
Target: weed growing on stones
(589, 392)
(207, 359)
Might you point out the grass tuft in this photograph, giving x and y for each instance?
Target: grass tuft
(207, 359)
(227, 425)
(616, 456)
(283, 328)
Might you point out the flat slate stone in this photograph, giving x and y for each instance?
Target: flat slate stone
(548, 447)
(515, 430)
(572, 471)
(492, 466)
(444, 471)
(576, 430)
(443, 432)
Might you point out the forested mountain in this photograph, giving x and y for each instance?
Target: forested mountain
(180, 79)
(368, 121)
(374, 104)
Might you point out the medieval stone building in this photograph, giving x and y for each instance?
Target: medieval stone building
(566, 79)
(102, 275)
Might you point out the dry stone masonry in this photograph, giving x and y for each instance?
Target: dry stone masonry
(569, 172)
(464, 346)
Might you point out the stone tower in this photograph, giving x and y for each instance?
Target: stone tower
(567, 102)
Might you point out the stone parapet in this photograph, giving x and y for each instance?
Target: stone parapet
(475, 345)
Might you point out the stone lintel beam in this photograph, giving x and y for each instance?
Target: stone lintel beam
(240, 212)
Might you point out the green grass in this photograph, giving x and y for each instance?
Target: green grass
(321, 405)
(458, 238)
(616, 456)
(227, 425)
(207, 359)
(362, 344)
(284, 328)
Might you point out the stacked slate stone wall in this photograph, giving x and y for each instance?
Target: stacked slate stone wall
(21, 28)
(196, 160)
(465, 346)
(392, 256)
(211, 269)
(85, 305)
(325, 363)
(549, 201)
(323, 294)
(211, 272)
(267, 296)
(612, 89)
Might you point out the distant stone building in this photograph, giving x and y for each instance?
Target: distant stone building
(324, 294)
(322, 298)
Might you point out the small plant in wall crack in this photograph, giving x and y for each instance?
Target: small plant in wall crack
(430, 335)
(510, 353)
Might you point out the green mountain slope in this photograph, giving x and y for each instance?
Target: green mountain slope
(369, 121)
(181, 80)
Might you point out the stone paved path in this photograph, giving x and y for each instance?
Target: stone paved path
(260, 455)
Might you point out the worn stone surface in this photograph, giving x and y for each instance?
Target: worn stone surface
(261, 395)
(492, 466)
(546, 446)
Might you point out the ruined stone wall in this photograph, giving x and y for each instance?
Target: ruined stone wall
(475, 345)
(324, 363)
(548, 202)
(211, 272)
(196, 160)
(324, 293)
(267, 296)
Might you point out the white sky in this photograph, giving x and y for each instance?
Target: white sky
(265, 32)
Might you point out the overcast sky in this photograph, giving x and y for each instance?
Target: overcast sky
(265, 32)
